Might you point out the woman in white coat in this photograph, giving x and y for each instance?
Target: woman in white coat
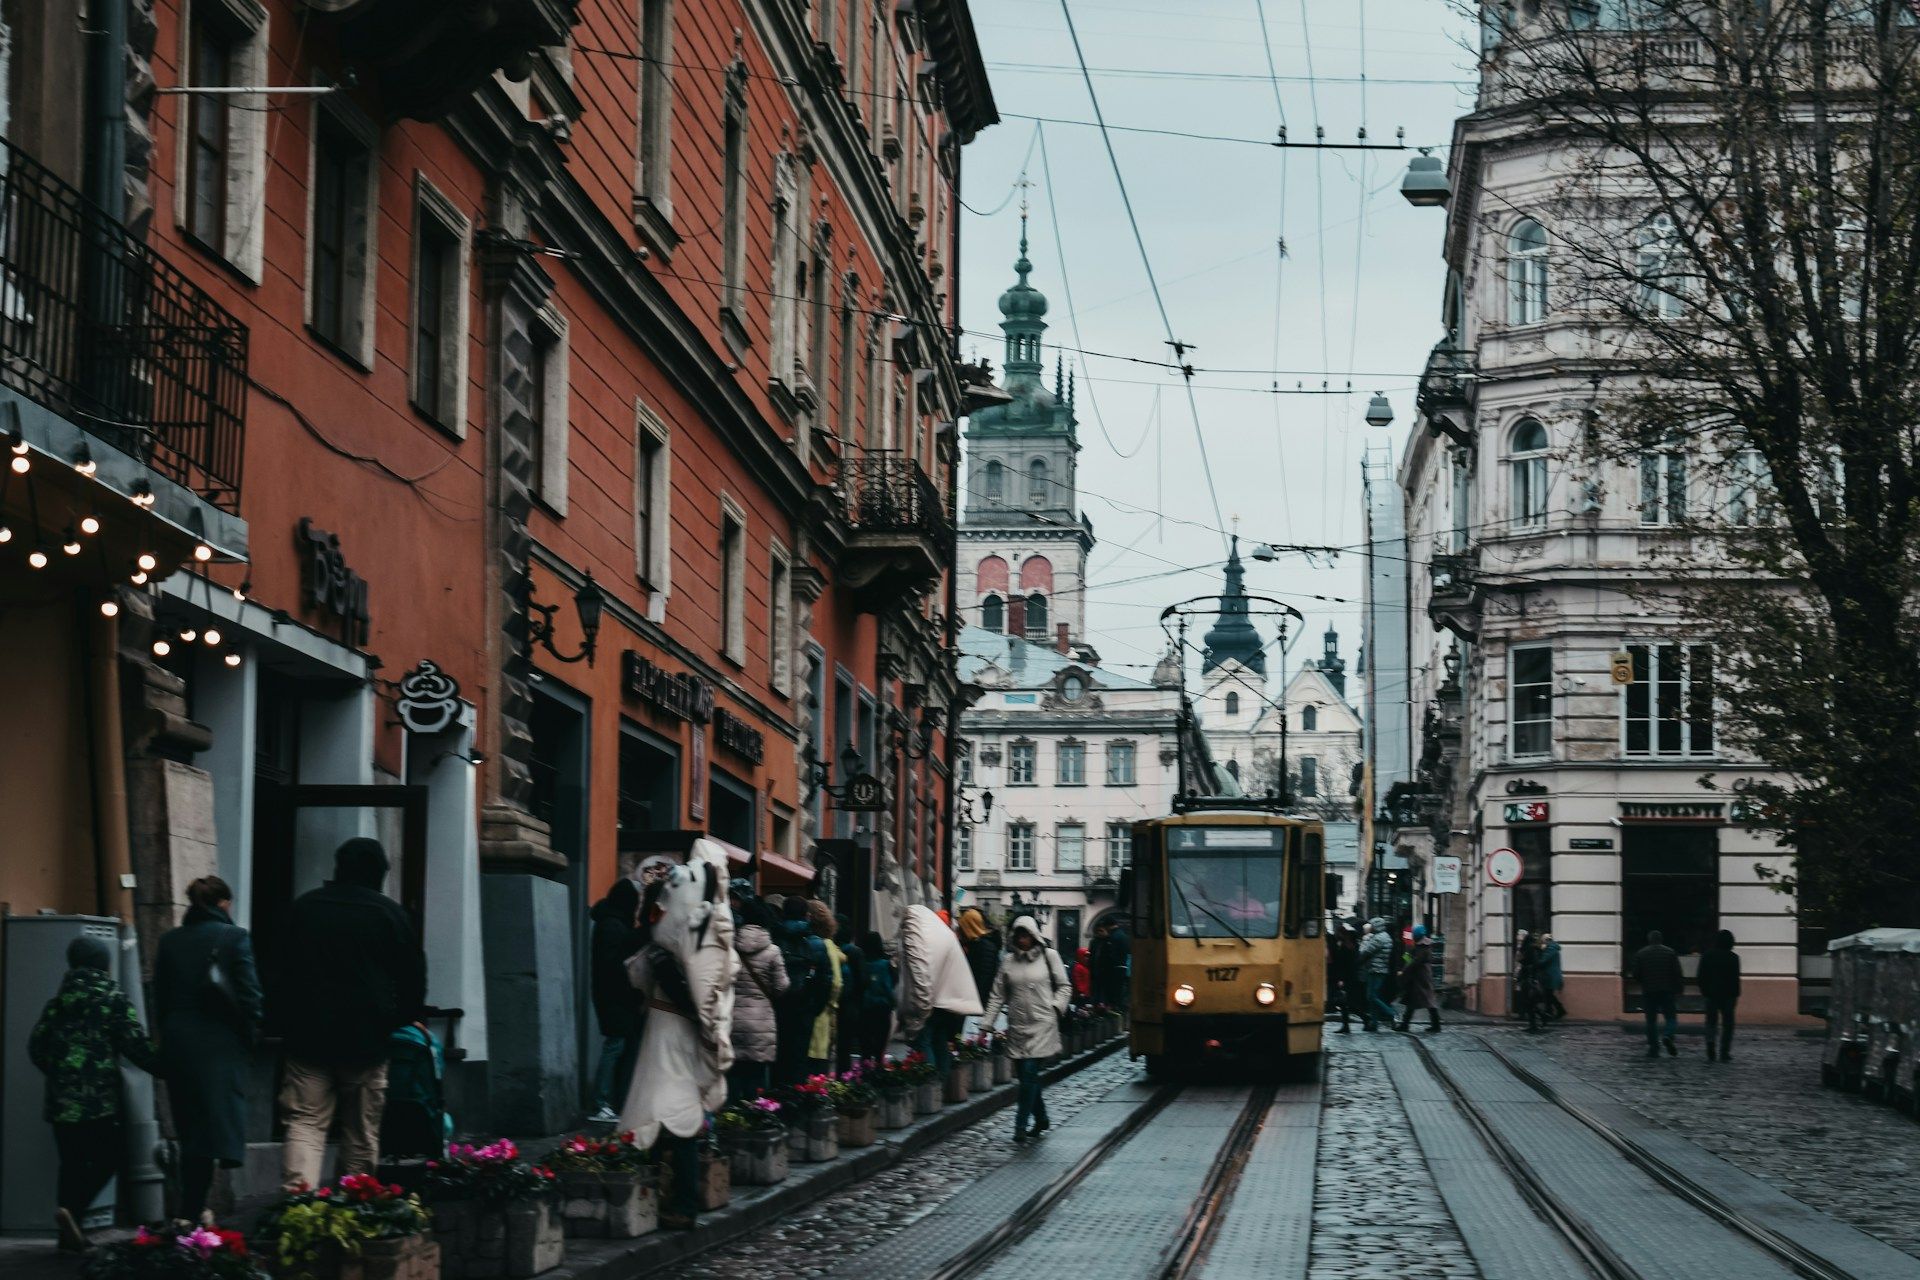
(1033, 990)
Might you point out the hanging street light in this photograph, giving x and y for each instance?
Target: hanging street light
(1379, 412)
(1425, 186)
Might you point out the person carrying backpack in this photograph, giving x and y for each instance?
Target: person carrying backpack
(853, 988)
(809, 991)
(876, 997)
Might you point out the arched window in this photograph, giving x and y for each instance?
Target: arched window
(1233, 767)
(1233, 704)
(1309, 719)
(1660, 264)
(1526, 273)
(996, 481)
(993, 614)
(1037, 482)
(1527, 468)
(990, 575)
(1036, 616)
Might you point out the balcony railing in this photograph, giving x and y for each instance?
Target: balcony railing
(100, 329)
(887, 493)
(1100, 876)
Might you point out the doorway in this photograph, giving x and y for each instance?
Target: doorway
(1069, 933)
(1670, 881)
(558, 764)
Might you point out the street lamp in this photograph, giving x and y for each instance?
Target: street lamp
(1425, 186)
(1379, 411)
(589, 602)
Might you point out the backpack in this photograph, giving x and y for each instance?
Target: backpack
(809, 974)
(877, 992)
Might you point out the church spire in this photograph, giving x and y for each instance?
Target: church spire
(1024, 310)
(1233, 638)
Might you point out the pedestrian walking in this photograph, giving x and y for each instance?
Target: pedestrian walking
(809, 990)
(1343, 980)
(1416, 983)
(354, 974)
(206, 1013)
(846, 1035)
(1552, 977)
(1375, 953)
(616, 936)
(982, 944)
(1112, 960)
(1082, 976)
(1719, 980)
(78, 1042)
(1032, 989)
(877, 998)
(820, 1043)
(1657, 969)
(1529, 997)
(759, 986)
(936, 991)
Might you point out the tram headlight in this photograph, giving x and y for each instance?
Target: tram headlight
(1183, 995)
(1265, 994)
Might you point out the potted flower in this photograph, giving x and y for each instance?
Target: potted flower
(926, 1084)
(753, 1134)
(716, 1173)
(1002, 1062)
(176, 1252)
(608, 1187)
(956, 1088)
(889, 1078)
(973, 1056)
(495, 1213)
(855, 1102)
(359, 1228)
(812, 1122)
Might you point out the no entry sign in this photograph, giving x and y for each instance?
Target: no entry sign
(1503, 868)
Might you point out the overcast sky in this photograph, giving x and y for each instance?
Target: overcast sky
(1358, 294)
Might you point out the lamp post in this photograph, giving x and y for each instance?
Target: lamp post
(589, 603)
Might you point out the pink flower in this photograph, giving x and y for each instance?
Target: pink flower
(203, 1241)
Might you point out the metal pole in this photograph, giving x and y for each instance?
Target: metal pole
(142, 1185)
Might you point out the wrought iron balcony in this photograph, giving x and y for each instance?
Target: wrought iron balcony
(900, 540)
(104, 332)
(427, 56)
(1100, 876)
(1454, 599)
(1445, 397)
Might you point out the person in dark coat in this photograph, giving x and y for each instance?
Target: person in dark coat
(1111, 948)
(354, 973)
(616, 1006)
(82, 1034)
(1343, 979)
(1416, 982)
(206, 1029)
(981, 943)
(876, 997)
(1719, 980)
(1529, 983)
(1657, 969)
(852, 991)
(1552, 977)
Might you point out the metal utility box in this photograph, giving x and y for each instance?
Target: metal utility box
(1870, 1022)
(35, 959)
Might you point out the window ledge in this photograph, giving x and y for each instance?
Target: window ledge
(653, 219)
(733, 329)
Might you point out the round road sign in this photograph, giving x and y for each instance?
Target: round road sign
(1503, 868)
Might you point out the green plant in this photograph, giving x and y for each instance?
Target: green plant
(303, 1226)
(583, 1154)
(751, 1115)
(494, 1173)
(175, 1252)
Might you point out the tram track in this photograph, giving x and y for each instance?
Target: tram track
(1189, 1249)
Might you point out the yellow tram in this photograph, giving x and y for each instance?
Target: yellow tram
(1224, 904)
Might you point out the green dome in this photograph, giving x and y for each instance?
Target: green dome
(1023, 301)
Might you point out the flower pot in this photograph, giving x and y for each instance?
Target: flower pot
(980, 1075)
(822, 1132)
(391, 1258)
(757, 1157)
(797, 1139)
(859, 1127)
(536, 1241)
(896, 1108)
(633, 1203)
(926, 1097)
(1002, 1068)
(716, 1183)
(958, 1083)
(583, 1204)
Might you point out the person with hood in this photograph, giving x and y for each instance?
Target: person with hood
(206, 1025)
(1552, 977)
(981, 943)
(820, 1043)
(1343, 979)
(1657, 969)
(810, 987)
(877, 996)
(1529, 991)
(353, 973)
(1082, 975)
(853, 989)
(686, 976)
(1719, 980)
(1111, 956)
(1375, 952)
(758, 988)
(937, 994)
(616, 936)
(1416, 982)
(82, 1034)
(1032, 989)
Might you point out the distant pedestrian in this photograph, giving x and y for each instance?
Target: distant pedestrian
(1343, 980)
(1416, 982)
(616, 1006)
(354, 973)
(1552, 977)
(759, 987)
(1032, 989)
(809, 990)
(846, 1035)
(877, 997)
(1083, 976)
(820, 1043)
(1529, 993)
(1657, 969)
(82, 1034)
(1375, 953)
(1719, 980)
(936, 991)
(1111, 959)
(206, 1011)
(982, 944)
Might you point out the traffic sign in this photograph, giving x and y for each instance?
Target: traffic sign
(1503, 868)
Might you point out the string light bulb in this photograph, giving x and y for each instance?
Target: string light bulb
(90, 525)
(109, 608)
(37, 558)
(83, 462)
(188, 635)
(17, 442)
(232, 659)
(139, 579)
(21, 464)
(146, 562)
(202, 552)
(70, 542)
(161, 648)
(240, 592)
(211, 636)
(6, 534)
(142, 494)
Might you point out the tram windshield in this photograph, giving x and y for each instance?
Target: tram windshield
(1224, 882)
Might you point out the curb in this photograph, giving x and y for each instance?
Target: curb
(620, 1260)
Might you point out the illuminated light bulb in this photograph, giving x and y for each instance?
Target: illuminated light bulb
(240, 592)
(232, 659)
(212, 637)
(188, 634)
(22, 464)
(6, 534)
(90, 524)
(109, 608)
(37, 558)
(139, 579)
(146, 562)
(70, 542)
(19, 445)
(86, 466)
(203, 553)
(161, 648)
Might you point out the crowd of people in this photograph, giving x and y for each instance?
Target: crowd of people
(1368, 968)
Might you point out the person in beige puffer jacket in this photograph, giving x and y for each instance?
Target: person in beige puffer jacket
(762, 979)
(1033, 990)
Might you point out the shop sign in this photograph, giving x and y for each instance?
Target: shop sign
(1691, 811)
(678, 694)
(331, 587)
(731, 733)
(429, 699)
(1526, 811)
(1446, 875)
(862, 794)
(1590, 842)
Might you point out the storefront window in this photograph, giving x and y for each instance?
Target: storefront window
(1670, 882)
(730, 810)
(1533, 896)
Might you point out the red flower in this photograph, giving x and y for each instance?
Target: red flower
(235, 1243)
(324, 1192)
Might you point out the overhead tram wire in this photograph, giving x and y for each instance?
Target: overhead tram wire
(1279, 265)
(1013, 187)
(1179, 348)
(1320, 224)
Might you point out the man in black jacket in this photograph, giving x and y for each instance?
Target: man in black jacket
(353, 974)
(1719, 980)
(1657, 969)
(616, 1005)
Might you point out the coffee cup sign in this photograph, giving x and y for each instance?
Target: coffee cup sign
(1503, 868)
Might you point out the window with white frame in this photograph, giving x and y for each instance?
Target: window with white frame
(733, 583)
(1232, 703)
(1069, 846)
(1119, 845)
(341, 230)
(1527, 478)
(1749, 490)
(1827, 486)
(1668, 709)
(1530, 700)
(994, 480)
(651, 487)
(1460, 536)
(819, 319)
(1019, 846)
(548, 403)
(1660, 268)
(1663, 483)
(1021, 759)
(652, 189)
(963, 848)
(780, 620)
(1120, 766)
(1037, 482)
(874, 424)
(1309, 776)
(440, 238)
(788, 302)
(220, 182)
(1309, 719)
(1526, 273)
(1072, 764)
(733, 214)
(963, 768)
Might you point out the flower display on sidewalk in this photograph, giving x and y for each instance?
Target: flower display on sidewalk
(495, 1173)
(751, 1115)
(176, 1252)
(303, 1227)
(584, 1153)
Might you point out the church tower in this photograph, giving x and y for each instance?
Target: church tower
(1023, 542)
